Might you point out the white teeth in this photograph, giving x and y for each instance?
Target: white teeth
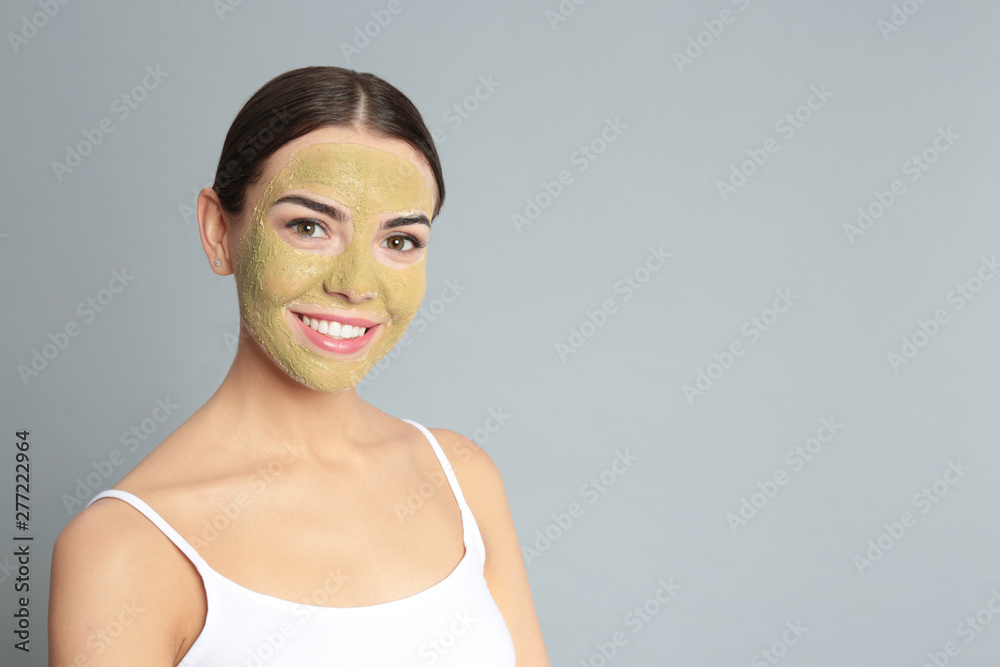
(334, 329)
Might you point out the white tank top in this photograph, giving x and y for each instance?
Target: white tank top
(453, 623)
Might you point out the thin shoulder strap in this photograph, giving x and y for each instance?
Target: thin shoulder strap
(160, 523)
(469, 525)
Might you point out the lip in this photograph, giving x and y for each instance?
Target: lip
(338, 347)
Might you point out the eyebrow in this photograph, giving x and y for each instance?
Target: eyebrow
(334, 213)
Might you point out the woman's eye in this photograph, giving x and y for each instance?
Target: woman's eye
(307, 228)
(399, 243)
(403, 243)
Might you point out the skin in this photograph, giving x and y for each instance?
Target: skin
(343, 465)
(278, 267)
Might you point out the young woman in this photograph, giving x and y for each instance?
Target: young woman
(273, 526)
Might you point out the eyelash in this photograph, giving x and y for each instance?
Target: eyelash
(417, 243)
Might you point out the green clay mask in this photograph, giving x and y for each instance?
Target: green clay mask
(279, 271)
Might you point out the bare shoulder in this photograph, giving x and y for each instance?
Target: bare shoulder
(472, 464)
(482, 486)
(110, 537)
(110, 597)
(504, 568)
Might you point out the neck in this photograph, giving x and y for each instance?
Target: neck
(258, 402)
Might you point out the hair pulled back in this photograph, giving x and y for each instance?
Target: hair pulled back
(302, 100)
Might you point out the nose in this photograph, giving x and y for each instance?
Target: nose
(351, 296)
(352, 275)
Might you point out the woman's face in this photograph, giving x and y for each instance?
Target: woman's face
(336, 237)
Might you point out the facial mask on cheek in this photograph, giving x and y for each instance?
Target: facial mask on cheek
(272, 276)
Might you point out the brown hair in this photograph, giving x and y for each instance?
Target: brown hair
(302, 100)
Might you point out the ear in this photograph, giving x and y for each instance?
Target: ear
(214, 229)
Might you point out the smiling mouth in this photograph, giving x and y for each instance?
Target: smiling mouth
(333, 329)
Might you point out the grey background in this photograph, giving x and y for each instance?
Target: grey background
(170, 333)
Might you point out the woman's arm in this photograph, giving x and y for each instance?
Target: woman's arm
(505, 573)
(109, 598)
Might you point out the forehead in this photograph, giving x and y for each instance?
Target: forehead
(353, 170)
(352, 157)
